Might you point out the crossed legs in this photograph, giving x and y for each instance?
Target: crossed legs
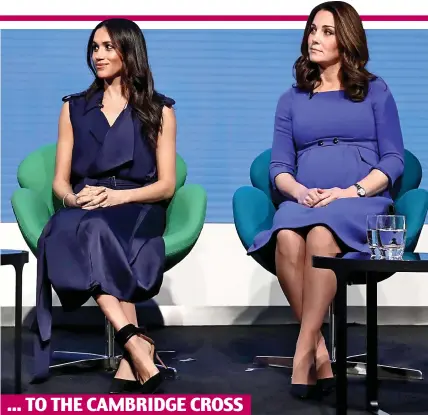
(121, 313)
(309, 291)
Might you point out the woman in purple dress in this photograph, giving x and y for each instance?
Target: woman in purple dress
(337, 151)
(115, 172)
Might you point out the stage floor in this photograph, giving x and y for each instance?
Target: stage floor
(222, 357)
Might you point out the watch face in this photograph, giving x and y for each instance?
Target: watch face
(361, 192)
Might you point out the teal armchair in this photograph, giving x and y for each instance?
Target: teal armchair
(34, 203)
(253, 212)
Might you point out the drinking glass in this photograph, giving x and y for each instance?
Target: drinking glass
(372, 236)
(391, 235)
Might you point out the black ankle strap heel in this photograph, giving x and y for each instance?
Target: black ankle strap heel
(125, 333)
(119, 385)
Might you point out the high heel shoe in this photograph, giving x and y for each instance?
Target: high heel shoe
(123, 386)
(326, 386)
(303, 391)
(152, 384)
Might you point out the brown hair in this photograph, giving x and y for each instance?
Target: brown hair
(353, 50)
(137, 78)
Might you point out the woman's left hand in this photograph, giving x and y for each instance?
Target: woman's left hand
(334, 194)
(111, 198)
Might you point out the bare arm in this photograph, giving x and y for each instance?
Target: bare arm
(61, 183)
(164, 187)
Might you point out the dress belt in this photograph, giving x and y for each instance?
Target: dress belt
(111, 182)
(334, 141)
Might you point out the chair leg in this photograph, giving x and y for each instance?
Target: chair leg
(109, 361)
(77, 360)
(357, 365)
(274, 361)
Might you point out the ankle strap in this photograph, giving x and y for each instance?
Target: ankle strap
(125, 333)
(143, 333)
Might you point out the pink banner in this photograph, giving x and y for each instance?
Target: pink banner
(123, 404)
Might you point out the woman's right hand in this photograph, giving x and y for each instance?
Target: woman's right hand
(89, 194)
(309, 197)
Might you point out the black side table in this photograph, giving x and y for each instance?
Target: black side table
(345, 266)
(18, 259)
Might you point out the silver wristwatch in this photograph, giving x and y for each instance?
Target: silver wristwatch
(361, 192)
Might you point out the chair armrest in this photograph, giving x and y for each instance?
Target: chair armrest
(185, 220)
(253, 212)
(414, 206)
(31, 214)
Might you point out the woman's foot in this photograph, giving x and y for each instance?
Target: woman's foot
(325, 378)
(124, 371)
(139, 351)
(304, 362)
(322, 360)
(142, 358)
(124, 380)
(303, 379)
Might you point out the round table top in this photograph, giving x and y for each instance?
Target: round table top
(12, 252)
(357, 261)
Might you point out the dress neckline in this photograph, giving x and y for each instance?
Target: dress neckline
(331, 90)
(118, 116)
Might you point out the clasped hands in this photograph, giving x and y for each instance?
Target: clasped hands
(94, 197)
(316, 197)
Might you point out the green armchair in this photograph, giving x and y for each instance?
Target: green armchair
(34, 203)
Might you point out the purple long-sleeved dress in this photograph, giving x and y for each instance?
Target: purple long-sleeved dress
(328, 141)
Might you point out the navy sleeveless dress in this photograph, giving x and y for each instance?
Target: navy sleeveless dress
(327, 141)
(117, 250)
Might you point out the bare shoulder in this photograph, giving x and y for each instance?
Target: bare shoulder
(64, 116)
(168, 114)
(65, 107)
(69, 101)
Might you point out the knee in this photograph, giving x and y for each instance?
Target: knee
(320, 240)
(288, 244)
(93, 223)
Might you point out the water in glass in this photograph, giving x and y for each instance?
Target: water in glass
(372, 236)
(391, 235)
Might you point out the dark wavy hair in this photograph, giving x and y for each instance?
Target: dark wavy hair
(136, 76)
(353, 50)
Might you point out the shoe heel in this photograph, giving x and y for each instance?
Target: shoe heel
(303, 391)
(160, 361)
(326, 386)
(152, 384)
(122, 386)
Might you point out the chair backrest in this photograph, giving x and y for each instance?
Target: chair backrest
(36, 172)
(411, 178)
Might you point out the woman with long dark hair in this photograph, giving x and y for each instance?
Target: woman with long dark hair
(115, 172)
(337, 151)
